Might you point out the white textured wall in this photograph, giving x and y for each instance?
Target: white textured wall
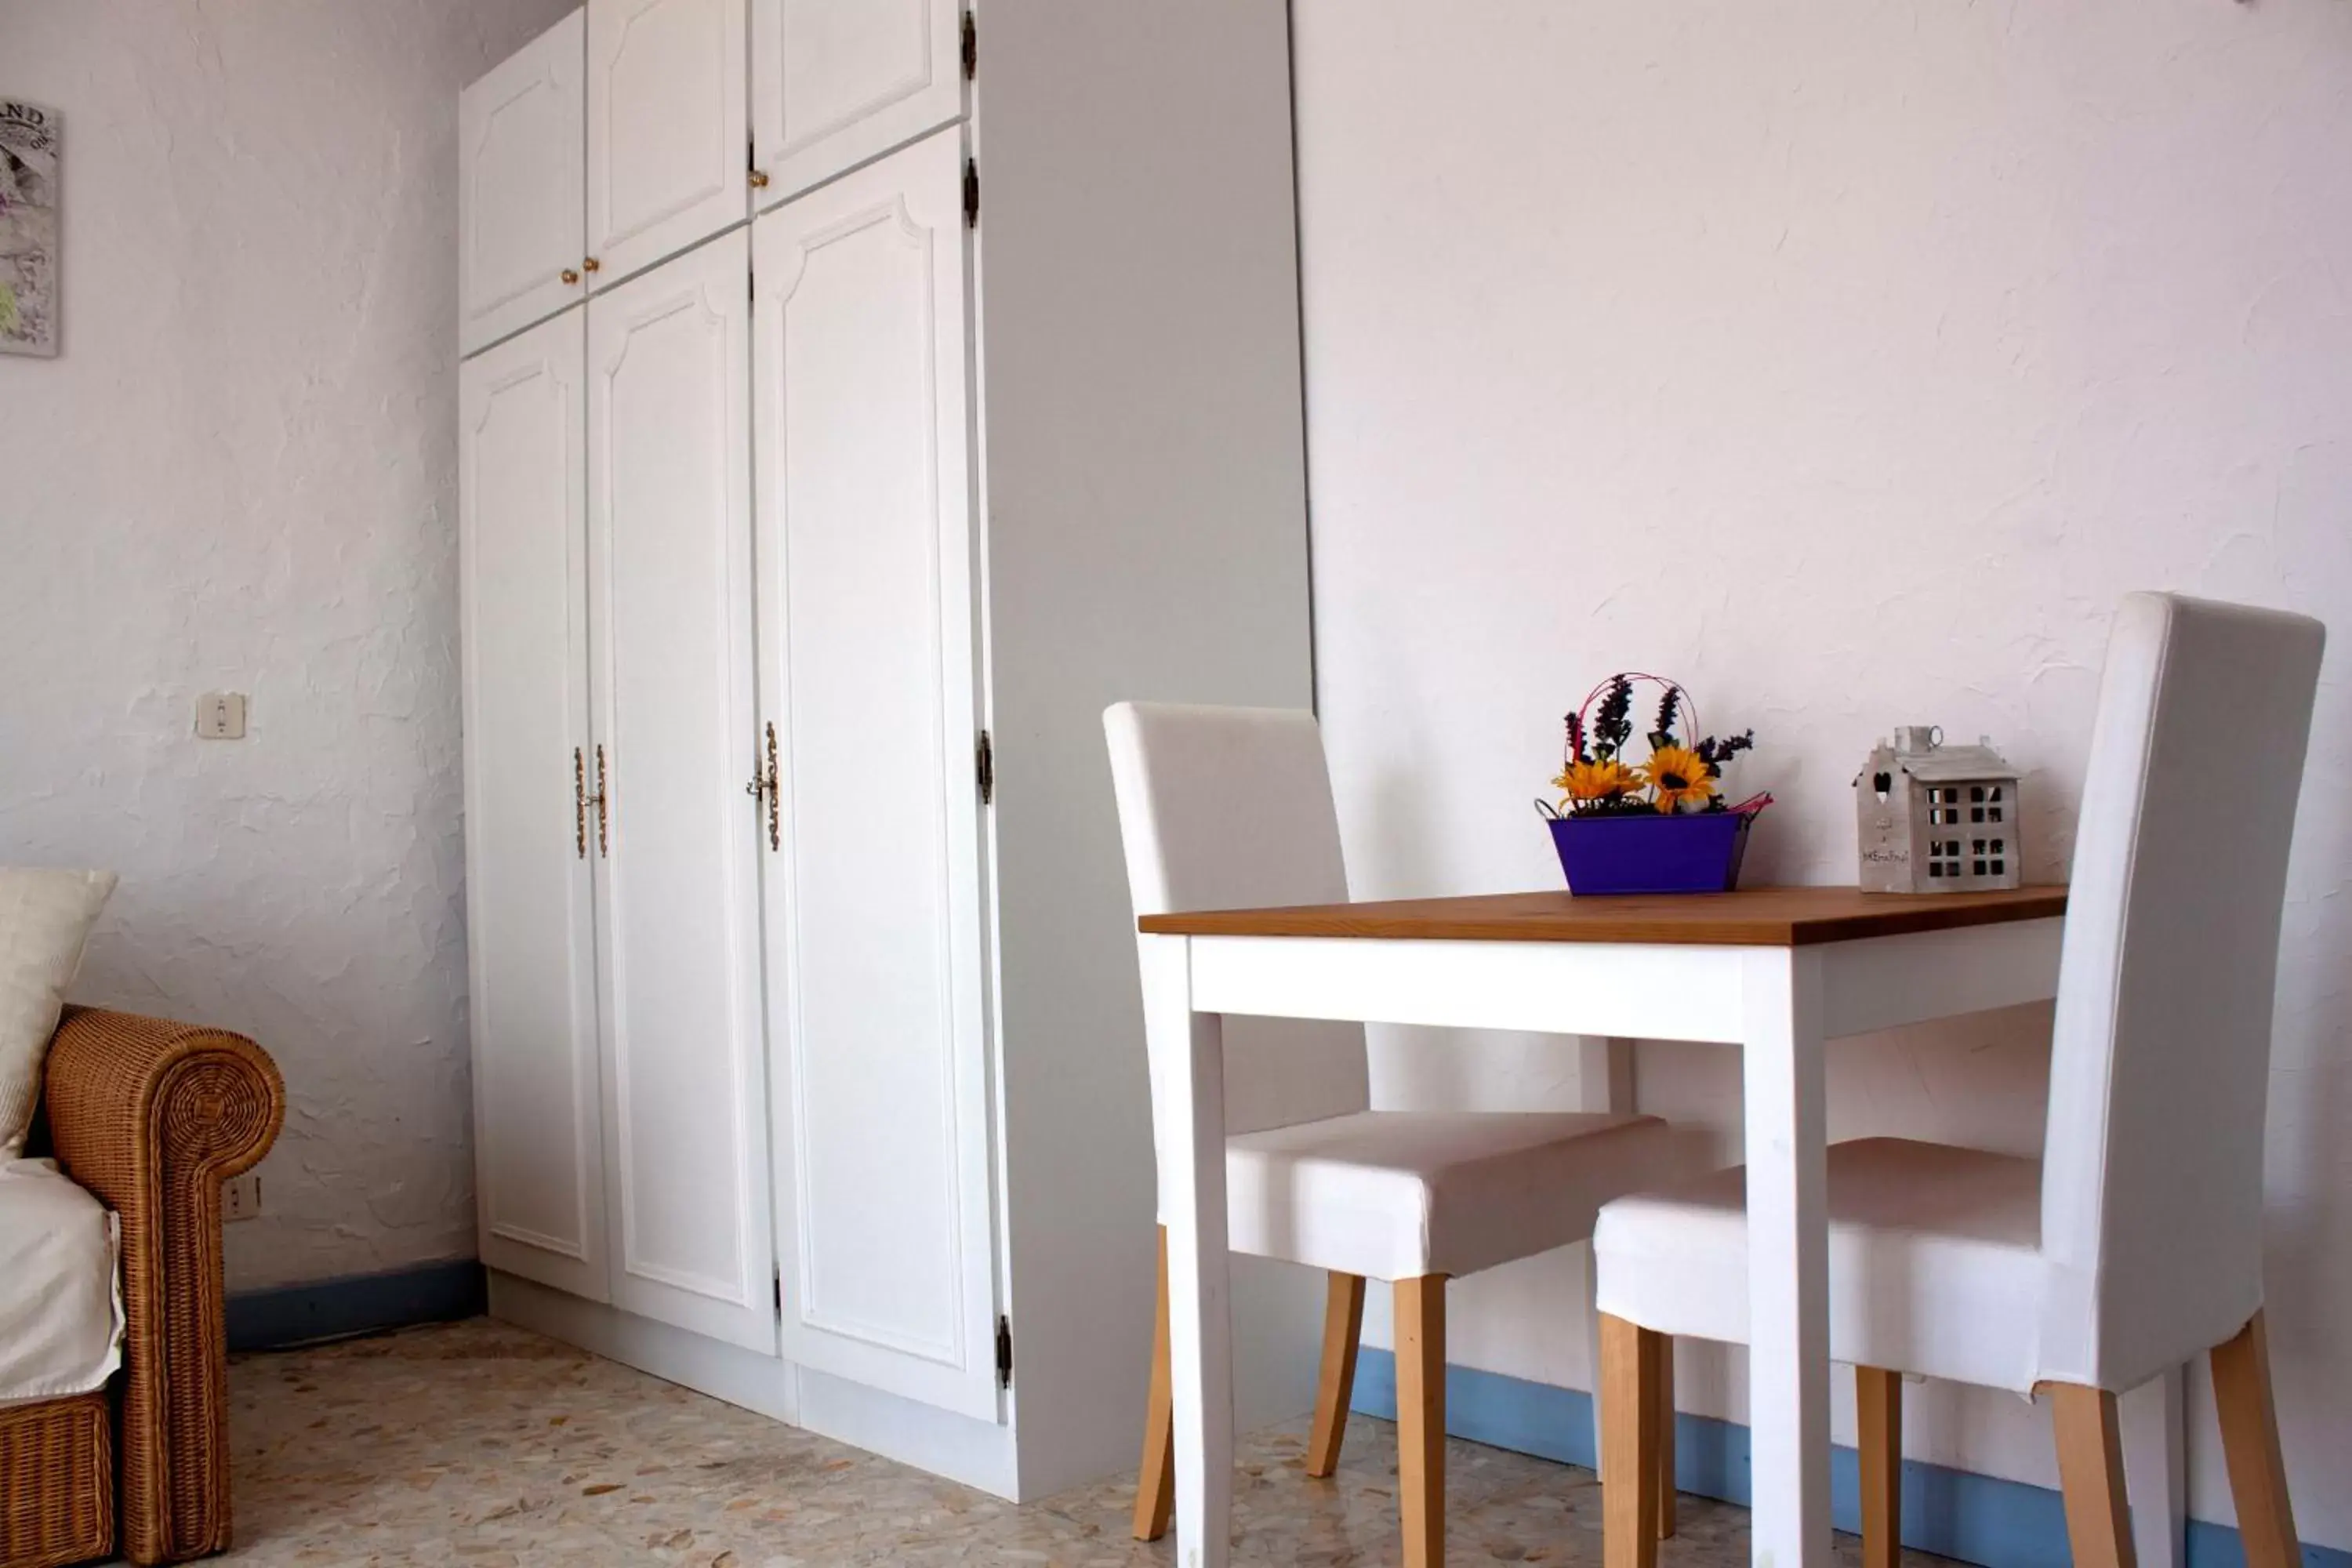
(1846, 359)
(241, 475)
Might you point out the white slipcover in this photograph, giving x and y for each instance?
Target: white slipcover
(1396, 1194)
(60, 1303)
(2148, 1245)
(1230, 808)
(1935, 1259)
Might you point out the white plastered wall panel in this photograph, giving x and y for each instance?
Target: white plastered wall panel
(1848, 362)
(241, 475)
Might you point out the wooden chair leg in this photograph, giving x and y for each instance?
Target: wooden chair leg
(1665, 1395)
(1421, 1419)
(2250, 1442)
(2091, 1471)
(1878, 1410)
(1155, 1483)
(1629, 1437)
(1343, 1325)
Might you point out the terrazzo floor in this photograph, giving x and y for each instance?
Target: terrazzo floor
(484, 1445)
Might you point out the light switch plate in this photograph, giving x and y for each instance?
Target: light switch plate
(220, 716)
(241, 1196)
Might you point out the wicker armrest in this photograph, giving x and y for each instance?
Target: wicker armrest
(152, 1117)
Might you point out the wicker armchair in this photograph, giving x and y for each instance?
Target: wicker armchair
(151, 1117)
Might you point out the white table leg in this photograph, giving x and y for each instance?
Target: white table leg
(1188, 1061)
(1604, 1074)
(1788, 1260)
(2154, 1467)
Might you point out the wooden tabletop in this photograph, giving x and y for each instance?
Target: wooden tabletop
(1752, 916)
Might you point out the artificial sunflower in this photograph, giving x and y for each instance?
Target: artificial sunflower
(1597, 780)
(1675, 774)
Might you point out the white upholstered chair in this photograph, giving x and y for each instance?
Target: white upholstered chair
(1230, 808)
(2135, 1242)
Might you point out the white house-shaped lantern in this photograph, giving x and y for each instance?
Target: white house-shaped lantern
(1935, 818)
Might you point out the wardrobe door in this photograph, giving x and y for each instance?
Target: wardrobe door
(519, 187)
(669, 534)
(834, 82)
(868, 672)
(666, 129)
(530, 948)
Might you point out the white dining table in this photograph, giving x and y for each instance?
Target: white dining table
(1774, 971)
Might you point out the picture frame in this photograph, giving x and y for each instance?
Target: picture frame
(31, 156)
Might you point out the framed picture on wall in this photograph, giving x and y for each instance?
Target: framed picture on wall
(29, 145)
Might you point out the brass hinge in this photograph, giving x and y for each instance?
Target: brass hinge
(970, 193)
(1003, 1352)
(983, 761)
(970, 47)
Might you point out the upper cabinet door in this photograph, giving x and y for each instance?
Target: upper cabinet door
(666, 129)
(521, 187)
(523, 592)
(868, 673)
(834, 82)
(669, 539)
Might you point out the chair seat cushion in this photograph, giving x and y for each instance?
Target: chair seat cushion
(61, 1311)
(1935, 1259)
(1397, 1194)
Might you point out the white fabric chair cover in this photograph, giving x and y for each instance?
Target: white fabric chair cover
(2148, 1245)
(1935, 1259)
(1230, 808)
(1394, 1194)
(60, 1296)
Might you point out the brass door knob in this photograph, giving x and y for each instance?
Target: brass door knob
(759, 179)
(590, 265)
(570, 276)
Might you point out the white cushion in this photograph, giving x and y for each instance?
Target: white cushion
(1936, 1264)
(44, 920)
(61, 1310)
(1397, 1194)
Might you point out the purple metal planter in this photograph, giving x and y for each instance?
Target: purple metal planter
(1698, 853)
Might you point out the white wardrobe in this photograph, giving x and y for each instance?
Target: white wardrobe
(859, 395)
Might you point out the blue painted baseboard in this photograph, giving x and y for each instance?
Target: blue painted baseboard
(356, 1304)
(1953, 1513)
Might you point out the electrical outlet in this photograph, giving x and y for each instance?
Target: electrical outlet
(241, 1196)
(220, 716)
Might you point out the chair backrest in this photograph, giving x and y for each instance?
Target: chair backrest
(2152, 1184)
(1228, 808)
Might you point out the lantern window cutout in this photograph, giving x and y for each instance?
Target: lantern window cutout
(1934, 818)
